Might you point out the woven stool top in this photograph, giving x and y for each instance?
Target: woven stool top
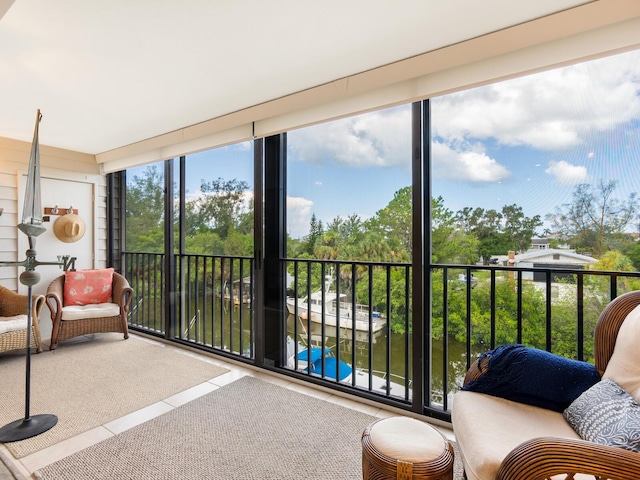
(407, 439)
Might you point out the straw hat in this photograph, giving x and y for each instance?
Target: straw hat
(69, 228)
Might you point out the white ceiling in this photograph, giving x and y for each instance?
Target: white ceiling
(106, 74)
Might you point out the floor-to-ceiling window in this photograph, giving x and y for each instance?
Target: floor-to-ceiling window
(539, 172)
(348, 225)
(144, 237)
(533, 228)
(214, 232)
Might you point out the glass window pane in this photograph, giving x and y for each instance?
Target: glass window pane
(348, 188)
(516, 160)
(219, 201)
(144, 230)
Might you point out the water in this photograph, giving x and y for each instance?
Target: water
(229, 328)
(370, 352)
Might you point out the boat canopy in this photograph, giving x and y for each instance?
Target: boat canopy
(330, 363)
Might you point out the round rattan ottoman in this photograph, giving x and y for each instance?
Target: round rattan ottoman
(403, 448)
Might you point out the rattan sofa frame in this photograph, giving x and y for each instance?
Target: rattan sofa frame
(544, 457)
(66, 329)
(12, 303)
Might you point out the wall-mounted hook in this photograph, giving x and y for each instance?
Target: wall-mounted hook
(60, 211)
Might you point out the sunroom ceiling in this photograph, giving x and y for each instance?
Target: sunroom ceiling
(109, 74)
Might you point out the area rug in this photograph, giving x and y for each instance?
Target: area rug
(89, 383)
(249, 429)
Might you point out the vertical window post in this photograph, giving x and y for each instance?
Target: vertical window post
(274, 275)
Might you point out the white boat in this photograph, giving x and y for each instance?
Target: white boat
(328, 305)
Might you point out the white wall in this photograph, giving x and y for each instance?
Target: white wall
(55, 164)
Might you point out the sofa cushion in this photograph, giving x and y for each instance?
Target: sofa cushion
(624, 365)
(533, 376)
(82, 287)
(99, 310)
(607, 415)
(13, 323)
(487, 428)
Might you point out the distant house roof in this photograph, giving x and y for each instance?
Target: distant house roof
(539, 241)
(549, 256)
(555, 255)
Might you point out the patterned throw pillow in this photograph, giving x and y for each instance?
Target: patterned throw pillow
(607, 415)
(84, 287)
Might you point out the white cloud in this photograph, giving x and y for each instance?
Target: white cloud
(298, 216)
(381, 138)
(466, 164)
(547, 111)
(566, 173)
(244, 146)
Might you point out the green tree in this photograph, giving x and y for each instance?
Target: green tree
(519, 229)
(594, 218)
(145, 212)
(634, 256)
(316, 231)
(614, 260)
(394, 222)
(221, 206)
(449, 243)
(499, 232)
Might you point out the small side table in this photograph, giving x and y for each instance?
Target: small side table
(403, 448)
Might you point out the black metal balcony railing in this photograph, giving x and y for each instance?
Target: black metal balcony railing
(347, 310)
(145, 272)
(349, 324)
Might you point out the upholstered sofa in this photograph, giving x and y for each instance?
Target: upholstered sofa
(504, 439)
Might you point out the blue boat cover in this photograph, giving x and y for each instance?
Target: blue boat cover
(316, 354)
(331, 368)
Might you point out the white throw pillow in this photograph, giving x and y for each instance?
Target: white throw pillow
(624, 366)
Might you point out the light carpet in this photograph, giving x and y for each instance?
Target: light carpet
(249, 429)
(89, 383)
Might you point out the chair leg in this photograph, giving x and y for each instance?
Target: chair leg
(55, 331)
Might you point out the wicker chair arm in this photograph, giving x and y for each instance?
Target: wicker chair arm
(37, 304)
(122, 292)
(476, 370)
(55, 293)
(542, 458)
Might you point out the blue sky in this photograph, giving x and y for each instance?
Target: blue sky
(527, 141)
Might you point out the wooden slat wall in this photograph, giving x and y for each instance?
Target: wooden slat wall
(54, 163)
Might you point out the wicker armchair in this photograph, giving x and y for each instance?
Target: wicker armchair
(542, 457)
(12, 303)
(66, 326)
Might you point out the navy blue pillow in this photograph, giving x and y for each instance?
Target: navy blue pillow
(533, 376)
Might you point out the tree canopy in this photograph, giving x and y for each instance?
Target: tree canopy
(595, 218)
(220, 222)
